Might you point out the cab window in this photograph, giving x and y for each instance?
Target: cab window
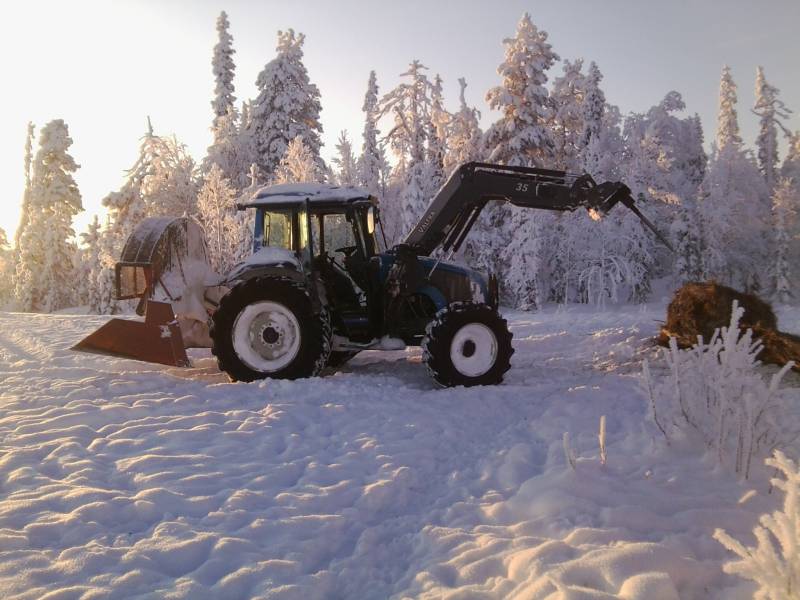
(338, 234)
(278, 229)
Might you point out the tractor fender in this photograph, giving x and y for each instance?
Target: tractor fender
(434, 294)
(263, 261)
(246, 271)
(288, 271)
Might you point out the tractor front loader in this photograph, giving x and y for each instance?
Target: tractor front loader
(318, 287)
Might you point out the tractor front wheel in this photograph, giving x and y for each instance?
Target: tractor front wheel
(266, 327)
(467, 344)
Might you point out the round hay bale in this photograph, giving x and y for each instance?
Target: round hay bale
(700, 308)
(780, 348)
(697, 309)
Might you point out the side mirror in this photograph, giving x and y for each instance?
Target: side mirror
(371, 219)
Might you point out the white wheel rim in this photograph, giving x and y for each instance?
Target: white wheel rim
(266, 336)
(473, 350)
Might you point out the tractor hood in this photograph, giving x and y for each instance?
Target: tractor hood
(445, 282)
(451, 278)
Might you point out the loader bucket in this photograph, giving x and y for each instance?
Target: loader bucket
(157, 339)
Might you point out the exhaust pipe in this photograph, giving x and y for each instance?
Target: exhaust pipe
(158, 339)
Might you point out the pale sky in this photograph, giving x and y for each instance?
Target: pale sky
(104, 67)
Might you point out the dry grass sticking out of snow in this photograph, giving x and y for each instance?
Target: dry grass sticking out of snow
(121, 479)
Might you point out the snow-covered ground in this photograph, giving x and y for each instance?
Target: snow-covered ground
(120, 479)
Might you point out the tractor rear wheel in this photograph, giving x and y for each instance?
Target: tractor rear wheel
(467, 344)
(266, 327)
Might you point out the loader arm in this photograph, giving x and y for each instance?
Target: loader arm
(457, 205)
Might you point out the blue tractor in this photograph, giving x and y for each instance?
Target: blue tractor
(321, 285)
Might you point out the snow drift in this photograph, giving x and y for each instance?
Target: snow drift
(122, 479)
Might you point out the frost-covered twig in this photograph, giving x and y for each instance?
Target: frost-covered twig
(568, 454)
(774, 563)
(601, 438)
(647, 380)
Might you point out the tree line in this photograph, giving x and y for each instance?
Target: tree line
(731, 213)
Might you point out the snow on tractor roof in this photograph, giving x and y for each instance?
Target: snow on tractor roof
(295, 193)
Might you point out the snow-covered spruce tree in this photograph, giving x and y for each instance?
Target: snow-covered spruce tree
(437, 133)
(770, 109)
(521, 136)
(464, 135)
(298, 165)
(246, 218)
(372, 163)
(91, 264)
(569, 91)
(223, 68)
(26, 194)
(603, 154)
(413, 179)
(6, 271)
(505, 239)
(727, 118)
(686, 226)
(410, 103)
(107, 303)
(567, 126)
(244, 119)
(784, 228)
(696, 159)
(216, 209)
(345, 161)
(593, 108)
(24, 217)
(686, 245)
(287, 107)
(774, 563)
(791, 164)
(733, 204)
(44, 266)
(229, 147)
(735, 221)
(716, 213)
(244, 141)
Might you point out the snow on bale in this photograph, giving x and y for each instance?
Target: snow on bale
(697, 309)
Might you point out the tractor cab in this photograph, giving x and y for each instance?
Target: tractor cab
(331, 232)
